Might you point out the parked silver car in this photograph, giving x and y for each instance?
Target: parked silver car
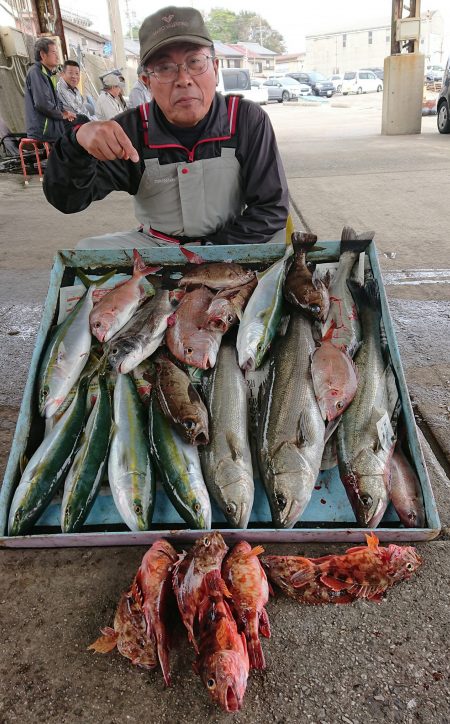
(286, 89)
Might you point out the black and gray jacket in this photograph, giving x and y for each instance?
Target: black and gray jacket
(226, 187)
(43, 109)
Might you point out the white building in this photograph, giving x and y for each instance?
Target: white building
(367, 46)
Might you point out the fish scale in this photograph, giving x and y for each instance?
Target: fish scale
(291, 436)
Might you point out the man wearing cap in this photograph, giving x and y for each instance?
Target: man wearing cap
(201, 167)
(110, 101)
(139, 93)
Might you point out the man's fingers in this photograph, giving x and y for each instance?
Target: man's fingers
(128, 149)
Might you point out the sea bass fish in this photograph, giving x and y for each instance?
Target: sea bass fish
(180, 401)
(226, 460)
(67, 353)
(361, 572)
(262, 316)
(130, 469)
(143, 334)
(179, 466)
(247, 582)
(119, 304)
(189, 576)
(302, 288)
(291, 432)
(153, 581)
(342, 326)
(406, 493)
(222, 660)
(215, 275)
(129, 634)
(188, 339)
(363, 456)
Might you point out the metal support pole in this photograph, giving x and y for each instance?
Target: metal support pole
(115, 24)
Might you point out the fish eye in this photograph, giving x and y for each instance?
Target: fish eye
(366, 500)
(114, 350)
(230, 318)
(314, 308)
(138, 509)
(97, 324)
(189, 424)
(231, 508)
(197, 507)
(281, 501)
(188, 350)
(45, 392)
(211, 683)
(339, 405)
(207, 542)
(409, 566)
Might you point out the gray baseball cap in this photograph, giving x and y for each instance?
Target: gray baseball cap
(172, 25)
(111, 80)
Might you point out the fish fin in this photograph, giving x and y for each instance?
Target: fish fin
(367, 295)
(23, 460)
(283, 325)
(306, 427)
(214, 585)
(350, 241)
(94, 282)
(136, 590)
(256, 551)
(264, 625)
(191, 256)
(222, 633)
(304, 575)
(353, 349)
(330, 428)
(139, 266)
(106, 643)
(235, 445)
(254, 648)
(289, 230)
(372, 541)
(302, 241)
(386, 397)
(329, 333)
(335, 584)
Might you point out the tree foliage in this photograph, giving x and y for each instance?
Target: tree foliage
(232, 27)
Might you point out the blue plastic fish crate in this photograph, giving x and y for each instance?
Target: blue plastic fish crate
(328, 516)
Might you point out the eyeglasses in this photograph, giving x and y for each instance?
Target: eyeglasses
(168, 72)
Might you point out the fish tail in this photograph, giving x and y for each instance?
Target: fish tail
(256, 551)
(372, 541)
(191, 256)
(255, 652)
(367, 295)
(94, 282)
(350, 241)
(302, 241)
(139, 267)
(163, 656)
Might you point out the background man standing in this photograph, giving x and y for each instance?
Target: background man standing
(44, 114)
(140, 93)
(68, 93)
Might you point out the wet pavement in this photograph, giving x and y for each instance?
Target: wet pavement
(352, 664)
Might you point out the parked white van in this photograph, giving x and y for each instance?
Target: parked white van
(237, 81)
(361, 81)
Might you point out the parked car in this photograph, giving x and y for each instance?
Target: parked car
(337, 79)
(285, 89)
(435, 73)
(443, 102)
(361, 81)
(379, 72)
(260, 92)
(237, 81)
(319, 85)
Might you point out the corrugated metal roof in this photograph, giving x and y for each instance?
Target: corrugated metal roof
(226, 49)
(252, 50)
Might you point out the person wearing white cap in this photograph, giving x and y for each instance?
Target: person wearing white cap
(110, 101)
(201, 167)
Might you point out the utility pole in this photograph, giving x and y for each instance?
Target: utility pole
(115, 25)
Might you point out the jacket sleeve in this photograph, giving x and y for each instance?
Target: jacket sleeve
(42, 96)
(263, 178)
(73, 178)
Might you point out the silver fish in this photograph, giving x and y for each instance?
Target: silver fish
(226, 461)
(364, 454)
(142, 335)
(130, 470)
(291, 433)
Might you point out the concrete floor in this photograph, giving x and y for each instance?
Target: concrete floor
(357, 663)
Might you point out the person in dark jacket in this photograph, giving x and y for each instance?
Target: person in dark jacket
(44, 114)
(201, 167)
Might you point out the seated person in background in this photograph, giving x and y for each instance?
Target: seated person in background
(201, 167)
(44, 113)
(139, 93)
(68, 93)
(110, 101)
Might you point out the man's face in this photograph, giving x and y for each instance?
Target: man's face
(187, 99)
(50, 59)
(71, 75)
